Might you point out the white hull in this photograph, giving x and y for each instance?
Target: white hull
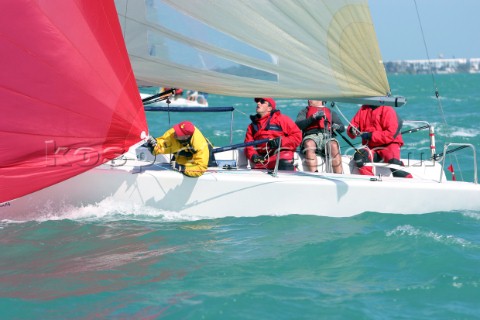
(244, 192)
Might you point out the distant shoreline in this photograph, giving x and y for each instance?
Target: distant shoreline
(437, 66)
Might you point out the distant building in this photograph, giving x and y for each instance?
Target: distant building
(439, 66)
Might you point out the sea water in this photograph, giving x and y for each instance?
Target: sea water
(110, 262)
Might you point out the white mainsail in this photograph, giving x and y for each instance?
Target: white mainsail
(294, 49)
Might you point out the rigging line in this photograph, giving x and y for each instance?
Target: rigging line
(124, 30)
(241, 112)
(440, 155)
(426, 48)
(335, 105)
(437, 95)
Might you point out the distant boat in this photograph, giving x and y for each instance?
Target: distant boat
(73, 122)
(197, 100)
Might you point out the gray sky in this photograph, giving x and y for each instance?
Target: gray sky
(451, 28)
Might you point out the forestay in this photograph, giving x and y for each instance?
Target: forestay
(293, 49)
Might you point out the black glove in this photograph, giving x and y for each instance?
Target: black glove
(366, 135)
(177, 167)
(151, 143)
(257, 158)
(318, 115)
(273, 144)
(354, 131)
(335, 126)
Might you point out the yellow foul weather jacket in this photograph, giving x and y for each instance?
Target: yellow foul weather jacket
(194, 155)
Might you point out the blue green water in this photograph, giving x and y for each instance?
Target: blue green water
(105, 262)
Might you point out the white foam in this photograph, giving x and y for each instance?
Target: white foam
(462, 132)
(408, 230)
(112, 210)
(454, 131)
(472, 214)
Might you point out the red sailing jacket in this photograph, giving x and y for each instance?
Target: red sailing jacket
(319, 124)
(271, 126)
(381, 121)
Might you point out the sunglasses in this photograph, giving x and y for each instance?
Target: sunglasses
(262, 101)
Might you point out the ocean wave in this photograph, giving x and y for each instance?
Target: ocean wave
(456, 131)
(463, 132)
(408, 230)
(221, 133)
(472, 214)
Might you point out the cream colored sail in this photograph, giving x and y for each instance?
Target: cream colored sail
(295, 49)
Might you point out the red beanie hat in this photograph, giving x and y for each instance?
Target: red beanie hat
(184, 128)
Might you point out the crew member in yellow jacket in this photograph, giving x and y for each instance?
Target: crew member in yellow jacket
(190, 148)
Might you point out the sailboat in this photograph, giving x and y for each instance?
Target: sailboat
(193, 99)
(73, 126)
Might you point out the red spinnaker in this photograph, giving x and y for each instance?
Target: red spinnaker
(68, 96)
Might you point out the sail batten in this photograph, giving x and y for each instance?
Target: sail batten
(290, 49)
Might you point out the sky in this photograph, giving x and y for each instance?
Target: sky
(451, 28)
